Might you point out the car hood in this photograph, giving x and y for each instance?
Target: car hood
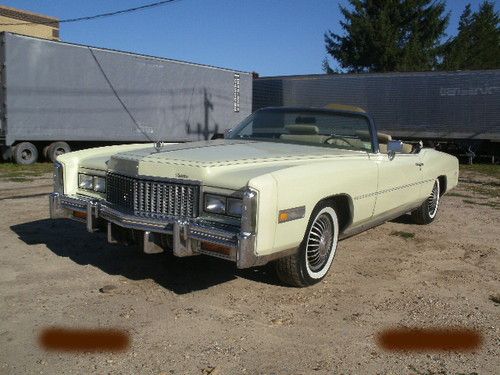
(221, 163)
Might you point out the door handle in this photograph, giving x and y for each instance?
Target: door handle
(419, 164)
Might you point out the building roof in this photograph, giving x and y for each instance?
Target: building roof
(26, 16)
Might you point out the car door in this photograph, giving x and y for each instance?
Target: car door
(399, 182)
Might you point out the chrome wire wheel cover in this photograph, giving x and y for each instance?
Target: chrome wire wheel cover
(433, 200)
(321, 243)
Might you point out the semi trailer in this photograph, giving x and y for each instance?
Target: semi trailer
(56, 96)
(458, 112)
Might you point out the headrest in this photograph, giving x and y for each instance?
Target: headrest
(365, 134)
(302, 129)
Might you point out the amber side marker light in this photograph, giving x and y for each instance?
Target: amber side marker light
(427, 340)
(80, 215)
(84, 340)
(214, 248)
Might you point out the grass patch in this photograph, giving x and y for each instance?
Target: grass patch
(492, 170)
(22, 173)
(405, 235)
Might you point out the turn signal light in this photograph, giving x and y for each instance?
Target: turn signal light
(80, 215)
(214, 248)
(283, 217)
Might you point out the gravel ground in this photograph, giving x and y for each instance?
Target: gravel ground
(202, 316)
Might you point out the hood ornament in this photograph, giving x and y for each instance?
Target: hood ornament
(158, 145)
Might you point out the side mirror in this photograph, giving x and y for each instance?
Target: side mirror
(394, 147)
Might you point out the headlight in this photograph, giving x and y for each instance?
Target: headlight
(215, 204)
(234, 207)
(219, 204)
(90, 182)
(85, 181)
(100, 184)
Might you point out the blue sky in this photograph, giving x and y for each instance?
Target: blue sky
(271, 37)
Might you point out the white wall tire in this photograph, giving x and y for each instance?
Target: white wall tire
(318, 258)
(428, 210)
(433, 200)
(315, 255)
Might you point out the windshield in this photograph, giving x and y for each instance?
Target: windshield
(311, 127)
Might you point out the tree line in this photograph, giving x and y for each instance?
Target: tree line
(409, 35)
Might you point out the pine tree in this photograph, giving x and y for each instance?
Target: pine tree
(457, 50)
(485, 38)
(388, 35)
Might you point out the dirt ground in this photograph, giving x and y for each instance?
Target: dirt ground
(202, 316)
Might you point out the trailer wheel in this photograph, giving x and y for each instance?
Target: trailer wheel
(25, 153)
(57, 148)
(45, 152)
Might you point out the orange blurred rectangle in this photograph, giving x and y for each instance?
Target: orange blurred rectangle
(84, 340)
(426, 340)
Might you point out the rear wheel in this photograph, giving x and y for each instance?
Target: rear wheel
(25, 153)
(427, 212)
(314, 258)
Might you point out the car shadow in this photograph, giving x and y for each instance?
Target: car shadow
(70, 239)
(405, 219)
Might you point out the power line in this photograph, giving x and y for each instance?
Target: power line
(115, 93)
(87, 18)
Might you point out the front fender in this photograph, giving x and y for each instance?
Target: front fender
(92, 158)
(306, 185)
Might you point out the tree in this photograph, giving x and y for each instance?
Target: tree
(389, 35)
(477, 44)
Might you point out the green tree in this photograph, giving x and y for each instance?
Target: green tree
(388, 35)
(477, 44)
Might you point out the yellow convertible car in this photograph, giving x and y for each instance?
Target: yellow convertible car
(283, 186)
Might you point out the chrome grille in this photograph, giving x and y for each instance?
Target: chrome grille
(151, 198)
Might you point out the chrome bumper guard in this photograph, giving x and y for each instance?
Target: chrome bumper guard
(187, 233)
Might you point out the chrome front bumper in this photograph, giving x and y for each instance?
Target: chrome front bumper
(187, 234)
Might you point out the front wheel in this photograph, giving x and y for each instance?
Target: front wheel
(427, 212)
(314, 258)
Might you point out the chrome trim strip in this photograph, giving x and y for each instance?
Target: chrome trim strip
(391, 189)
(387, 216)
(153, 178)
(249, 211)
(58, 177)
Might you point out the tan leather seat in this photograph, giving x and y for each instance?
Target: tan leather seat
(407, 148)
(303, 133)
(383, 139)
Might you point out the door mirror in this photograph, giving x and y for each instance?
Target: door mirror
(393, 147)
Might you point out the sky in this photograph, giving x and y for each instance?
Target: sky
(270, 37)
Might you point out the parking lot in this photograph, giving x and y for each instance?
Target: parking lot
(201, 315)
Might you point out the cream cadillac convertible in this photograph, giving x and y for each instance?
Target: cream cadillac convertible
(283, 186)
